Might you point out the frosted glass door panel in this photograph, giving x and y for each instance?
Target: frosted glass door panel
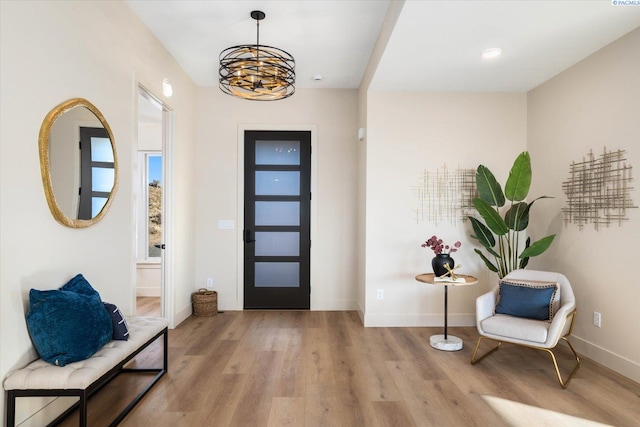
(277, 243)
(102, 179)
(277, 152)
(101, 150)
(277, 213)
(277, 275)
(277, 183)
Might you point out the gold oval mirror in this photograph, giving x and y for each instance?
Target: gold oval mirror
(78, 163)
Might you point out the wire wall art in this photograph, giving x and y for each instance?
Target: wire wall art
(445, 195)
(598, 190)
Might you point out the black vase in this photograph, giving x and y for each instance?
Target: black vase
(439, 262)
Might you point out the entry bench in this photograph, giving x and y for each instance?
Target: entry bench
(83, 378)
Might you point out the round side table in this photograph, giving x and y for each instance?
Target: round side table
(445, 341)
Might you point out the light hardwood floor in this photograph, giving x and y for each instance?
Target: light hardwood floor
(148, 306)
(270, 368)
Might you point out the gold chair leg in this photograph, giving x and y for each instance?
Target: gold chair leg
(566, 382)
(563, 383)
(473, 356)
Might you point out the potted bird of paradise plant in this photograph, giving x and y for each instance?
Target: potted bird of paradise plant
(505, 231)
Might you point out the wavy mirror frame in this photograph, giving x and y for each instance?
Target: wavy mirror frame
(43, 146)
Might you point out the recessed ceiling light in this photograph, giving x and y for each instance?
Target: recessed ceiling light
(317, 78)
(491, 53)
(167, 89)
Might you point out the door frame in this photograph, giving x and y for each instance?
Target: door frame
(240, 199)
(167, 283)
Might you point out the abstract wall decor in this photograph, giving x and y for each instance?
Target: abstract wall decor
(445, 195)
(598, 190)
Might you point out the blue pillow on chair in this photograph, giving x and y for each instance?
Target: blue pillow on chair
(524, 300)
(68, 324)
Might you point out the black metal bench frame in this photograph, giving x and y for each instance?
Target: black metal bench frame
(84, 394)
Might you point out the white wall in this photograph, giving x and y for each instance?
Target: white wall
(408, 133)
(51, 52)
(333, 253)
(150, 135)
(592, 105)
(390, 20)
(148, 280)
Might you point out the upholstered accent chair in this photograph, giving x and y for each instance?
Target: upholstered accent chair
(534, 309)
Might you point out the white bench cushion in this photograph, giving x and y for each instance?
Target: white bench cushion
(80, 375)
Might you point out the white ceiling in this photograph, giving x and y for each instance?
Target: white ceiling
(435, 45)
(333, 38)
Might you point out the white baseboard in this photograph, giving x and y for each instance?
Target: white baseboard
(333, 305)
(620, 364)
(316, 305)
(361, 313)
(228, 304)
(417, 320)
(182, 315)
(147, 292)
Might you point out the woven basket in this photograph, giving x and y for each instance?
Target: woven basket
(205, 302)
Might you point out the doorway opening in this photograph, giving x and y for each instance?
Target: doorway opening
(151, 201)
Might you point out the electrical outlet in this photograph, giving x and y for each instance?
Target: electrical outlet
(597, 319)
(209, 283)
(380, 294)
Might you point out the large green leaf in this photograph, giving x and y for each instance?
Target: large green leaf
(538, 247)
(492, 219)
(489, 189)
(488, 263)
(519, 181)
(483, 234)
(517, 217)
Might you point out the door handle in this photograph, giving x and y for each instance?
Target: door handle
(247, 237)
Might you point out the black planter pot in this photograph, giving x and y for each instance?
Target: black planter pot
(438, 264)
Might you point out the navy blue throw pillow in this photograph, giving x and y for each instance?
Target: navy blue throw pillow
(531, 302)
(120, 329)
(68, 324)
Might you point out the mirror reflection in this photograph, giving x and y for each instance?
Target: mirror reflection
(78, 163)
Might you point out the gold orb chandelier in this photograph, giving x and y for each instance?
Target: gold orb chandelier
(257, 72)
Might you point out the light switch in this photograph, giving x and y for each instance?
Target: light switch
(226, 224)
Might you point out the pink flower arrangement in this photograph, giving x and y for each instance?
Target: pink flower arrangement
(438, 246)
